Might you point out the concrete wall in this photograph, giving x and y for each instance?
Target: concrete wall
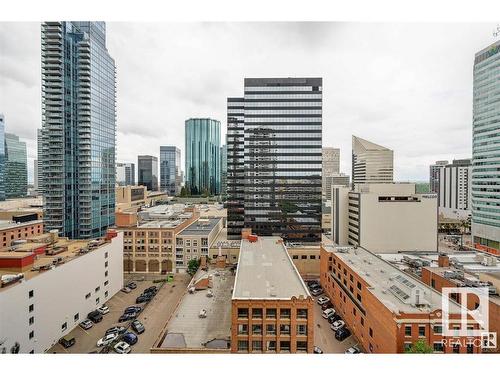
(58, 295)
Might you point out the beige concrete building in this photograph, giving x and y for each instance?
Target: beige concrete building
(386, 218)
(134, 197)
(371, 163)
(330, 165)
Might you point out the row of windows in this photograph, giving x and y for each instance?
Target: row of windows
(271, 313)
(243, 346)
(284, 329)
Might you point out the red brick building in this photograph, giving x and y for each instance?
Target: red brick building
(10, 231)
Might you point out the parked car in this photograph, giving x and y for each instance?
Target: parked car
(103, 309)
(67, 341)
(322, 300)
(132, 285)
(126, 289)
(328, 313)
(108, 339)
(338, 324)
(151, 289)
(131, 309)
(126, 317)
(116, 330)
(141, 299)
(353, 350)
(95, 316)
(327, 305)
(317, 350)
(138, 327)
(311, 282)
(334, 318)
(130, 338)
(342, 334)
(122, 348)
(86, 324)
(317, 291)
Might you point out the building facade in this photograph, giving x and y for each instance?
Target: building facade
(283, 157)
(330, 166)
(409, 219)
(371, 163)
(48, 303)
(272, 312)
(16, 167)
(454, 189)
(38, 172)
(235, 167)
(170, 170)
(78, 129)
(2, 157)
(434, 175)
(223, 168)
(485, 151)
(125, 174)
(202, 164)
(147, 171)
(337, 179)
(18, 231)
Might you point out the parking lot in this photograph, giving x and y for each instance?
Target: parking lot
(154, 316)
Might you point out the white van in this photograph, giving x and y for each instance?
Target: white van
(328, 313)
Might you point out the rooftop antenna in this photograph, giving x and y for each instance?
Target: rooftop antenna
(496, 32)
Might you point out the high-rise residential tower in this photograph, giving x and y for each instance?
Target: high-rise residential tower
(202, 137)
(2, 157)
(147, 171)
(434, 171)
(125, 174)
(223, 169)
(486, 150)
(282, 157)
(371, 163)
(16, 167)
(170, 170)
(330, 167)
(38, 172)
(78, 129)
(235, 167)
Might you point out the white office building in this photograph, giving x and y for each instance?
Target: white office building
(371, 163)
(454, 189)
(57, 291)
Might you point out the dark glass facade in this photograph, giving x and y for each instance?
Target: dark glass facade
(147, 171)
(170, 170)
(16, 167)
(282, 158)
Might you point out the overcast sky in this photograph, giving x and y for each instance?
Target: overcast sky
(404, 86)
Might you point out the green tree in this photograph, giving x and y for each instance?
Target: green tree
(184, 192)
(193, 265)
(419, 347)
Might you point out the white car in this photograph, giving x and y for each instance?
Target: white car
(328, 313)
(337, 325)
(103, 309)
(353, 350)
(107, 339)
(122, 348)
(322, 300)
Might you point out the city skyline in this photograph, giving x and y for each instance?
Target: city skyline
(359, 99)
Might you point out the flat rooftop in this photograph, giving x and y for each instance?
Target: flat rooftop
(394, 288)
(265, 271)
(186, 330)
(223, 242)
(202, 227)
(14, 204)
(7, 224)
(159, 224)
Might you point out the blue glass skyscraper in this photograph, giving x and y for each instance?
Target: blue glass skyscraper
(16, 167)
(78, 128)
(202, 136)
(170, 169)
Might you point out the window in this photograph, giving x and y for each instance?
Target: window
(351, 289)
(31, 320)
(312, 256)
(421, 331)
(105, 255)
(256, 346)
(106, 293)
(295, 257)
(303, 257)
(438, 329)
(76, 317)
(87, 296)
(97, 289)
(284, 329)
(353, 311)
(456, 348)
(257, 329)
(271, 346)
(407, 346)
(31, 335)
(106, 274)
(106, 264)
(97, 301)
(358, 297)
(371, 332)
(285, 346)
(242, 329)
(106, 282)
(301, 329)
(470, 348)
(351, 278)
(31, 308)
(302, 313)
(407, 331)
(302, 346)
(285, 313)
(243, 313)
(359, 285)
(362, 321)
(31, 294)
(433, 283)
(242, 345)
(438, 346)
(257, 313)
(64, 326)
(271, 313)
(270, 329)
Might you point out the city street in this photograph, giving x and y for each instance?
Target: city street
(154, 317)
